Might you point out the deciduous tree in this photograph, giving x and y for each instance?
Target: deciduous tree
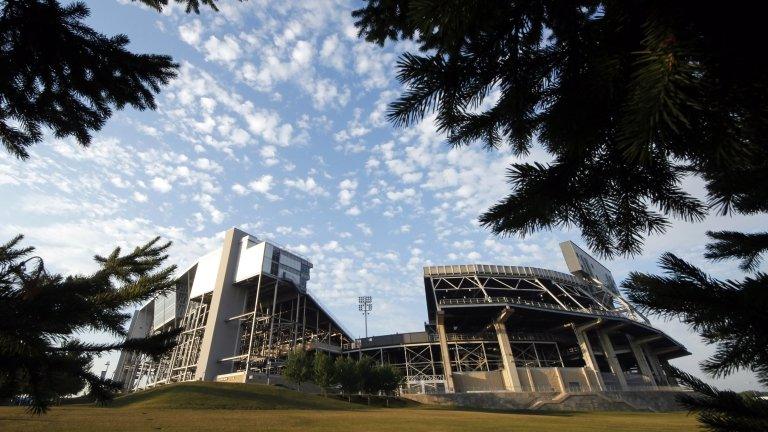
(298, 367)
(347, 375)
(324, 374)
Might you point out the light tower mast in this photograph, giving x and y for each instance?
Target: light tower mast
(365, 305)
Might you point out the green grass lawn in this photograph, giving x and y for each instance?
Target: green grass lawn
(233, 407)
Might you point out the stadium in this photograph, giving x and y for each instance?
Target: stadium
(511, 331)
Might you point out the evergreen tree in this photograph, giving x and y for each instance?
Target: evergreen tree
(41, 312)
(324, 373)
(628, 97)
(190, 5)
(298, 367)
(729, 314)
(61, 74)
(57, 72)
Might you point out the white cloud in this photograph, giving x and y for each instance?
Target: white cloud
(206, 202)
(474, 256)
(353, 211)
(325, 93)
(347, 189)
(208, 165)
(118, 181)
(239, 189)
(308, 186)
(139, 197)
(225, 50)
(161, 185)
(263, 185)
(365, 229)
(191, 32)
(269, 155)
(464, 244)
(332, 52)
(302, 53)
(402, 194)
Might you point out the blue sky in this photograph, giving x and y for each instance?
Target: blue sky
(276, 124)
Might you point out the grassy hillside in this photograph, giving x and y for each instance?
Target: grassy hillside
(206, 395)
(223, 407)
(91, 419)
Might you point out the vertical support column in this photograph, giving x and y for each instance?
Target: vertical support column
(445, 355)
(656, 365)
(226, 302)
(613, 361)
(587, 354)
(642, 364)
(271, 333)
(531, 381)
(560, 380)
(253, 328)
(586, 378)
(511, 378)
(296, 321)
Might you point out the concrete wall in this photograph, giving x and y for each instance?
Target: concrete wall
(576, 379)
(603, 401)
(478, 381)
(545, 379)
(532, 379)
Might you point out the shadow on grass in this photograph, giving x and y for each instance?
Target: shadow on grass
(501, 411)
(227, 396)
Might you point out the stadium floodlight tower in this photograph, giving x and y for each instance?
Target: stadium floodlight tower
(365, 305)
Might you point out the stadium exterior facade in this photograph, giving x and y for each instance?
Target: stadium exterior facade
(490, 328)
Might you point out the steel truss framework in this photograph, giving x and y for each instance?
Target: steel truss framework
(530, 291)
(422, 367)
(181, 363)
(277, 317)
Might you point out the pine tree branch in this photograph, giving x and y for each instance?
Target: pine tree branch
(154, 345)
(723, 410)
(729, 314)
(41, 312)
(736, 245)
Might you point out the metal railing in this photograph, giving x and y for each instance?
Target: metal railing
(432, 338)
(530, 303)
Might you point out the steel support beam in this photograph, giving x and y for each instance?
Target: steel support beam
(655, 365)
(610, 356)
(445, 355)
(586, 351)
(511, 378)
(642, 364)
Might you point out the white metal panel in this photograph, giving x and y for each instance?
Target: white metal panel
(205, 276)
(250, 261)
